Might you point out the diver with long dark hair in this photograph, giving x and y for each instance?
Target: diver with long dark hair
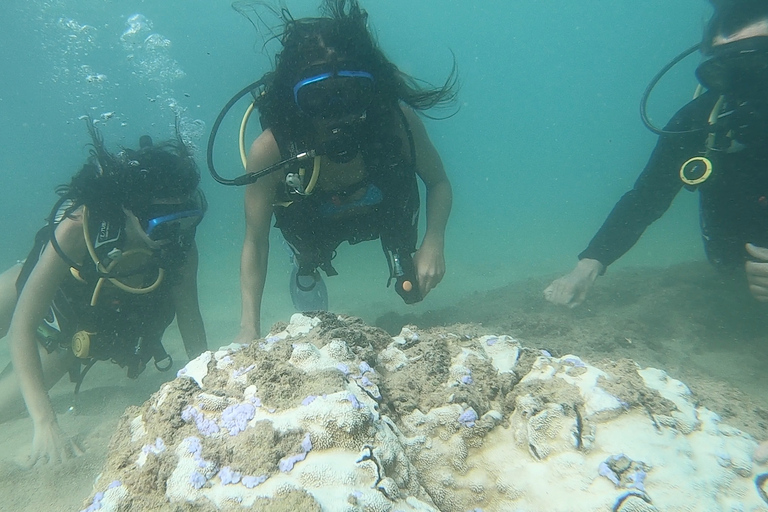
(716, 144)
(115, 264)
(338, 109)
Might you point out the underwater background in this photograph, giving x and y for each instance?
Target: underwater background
(546, 139)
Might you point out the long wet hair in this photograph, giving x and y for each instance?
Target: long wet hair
(341, 34)
(132, 178)
(730, 16)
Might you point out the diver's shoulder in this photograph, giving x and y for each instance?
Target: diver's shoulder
(694, 113)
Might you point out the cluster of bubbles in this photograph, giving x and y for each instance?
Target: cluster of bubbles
(72, 41)
(149, 53)
(89, 66)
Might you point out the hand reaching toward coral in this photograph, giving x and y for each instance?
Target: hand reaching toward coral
(51, 445)
(571, 290)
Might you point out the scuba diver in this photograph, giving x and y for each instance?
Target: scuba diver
(108, 273)
(340, 127)
(716, 144)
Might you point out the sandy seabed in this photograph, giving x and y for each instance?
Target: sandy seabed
(686, 320)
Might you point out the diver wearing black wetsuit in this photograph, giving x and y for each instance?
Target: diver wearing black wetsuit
(733, 199)
(716, 144)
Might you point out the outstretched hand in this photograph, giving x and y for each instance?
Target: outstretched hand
(51, 445)
(757, 272)
(571, 289)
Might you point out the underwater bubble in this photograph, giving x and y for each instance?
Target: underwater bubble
(191, 130)
(137, 25)
(154, 41)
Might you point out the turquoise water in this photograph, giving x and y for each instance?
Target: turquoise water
(547, 138)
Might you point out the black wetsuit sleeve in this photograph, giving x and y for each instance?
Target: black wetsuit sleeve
(654, 189)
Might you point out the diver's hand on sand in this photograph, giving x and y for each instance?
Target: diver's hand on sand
(51, 445)
(757, 272)
(571, 289)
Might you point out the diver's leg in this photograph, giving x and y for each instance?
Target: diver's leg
(55, 365)
(8, 297)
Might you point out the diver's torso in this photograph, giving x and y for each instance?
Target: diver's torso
(734, 206)
(734, 200)
(116, 318)
(353, 200)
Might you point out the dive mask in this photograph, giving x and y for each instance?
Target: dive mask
(334, 94)
(740, 66)
(167, 221)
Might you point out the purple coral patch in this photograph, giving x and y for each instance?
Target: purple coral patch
(604, 470)
(242, 371)
(365, 367)
(193, 445)
(355, 402)
(228, 476)
(491, 340)
(308, 400)
(306, 443)
(286, 463)
(157, 448)
(468, 417)
(197, 480)
(575, 361)
(252, 481)
(235, 418)
(206, 426)
(96, 503)
(637, 480)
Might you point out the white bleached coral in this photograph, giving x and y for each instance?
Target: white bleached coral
(433, 422)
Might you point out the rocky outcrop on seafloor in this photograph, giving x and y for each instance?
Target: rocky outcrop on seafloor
(327, 413)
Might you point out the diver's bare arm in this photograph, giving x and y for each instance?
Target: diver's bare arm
(33, 303)
(259, 198)
(185, 300)
(430, 169)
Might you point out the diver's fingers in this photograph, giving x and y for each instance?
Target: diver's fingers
(760, 293)
(75, 449)
(561, 292)
(426, 283)
(28, 462)
(755, 251)
(756, 269)
(758, 280)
